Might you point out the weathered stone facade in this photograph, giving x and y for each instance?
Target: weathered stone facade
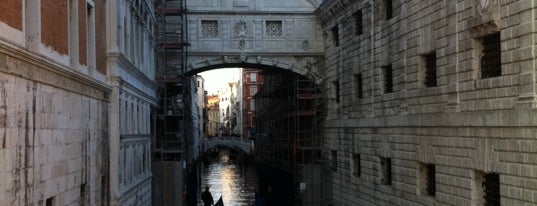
(386, 124)
(53, 108)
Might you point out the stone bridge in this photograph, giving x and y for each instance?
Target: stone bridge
(244, 145)
(270, 35)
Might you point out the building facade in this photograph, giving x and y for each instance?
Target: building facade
(252, 81)
(54, 103)
(432, 102)
(213, 115)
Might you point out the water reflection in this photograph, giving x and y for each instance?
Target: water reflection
(223, 176)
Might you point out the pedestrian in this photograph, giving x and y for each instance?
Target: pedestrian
(207, 197)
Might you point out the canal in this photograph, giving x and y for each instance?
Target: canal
(229, 175)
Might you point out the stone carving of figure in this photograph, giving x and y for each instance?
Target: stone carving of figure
(241, 29)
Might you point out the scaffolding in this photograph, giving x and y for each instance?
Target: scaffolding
(170, 141)
(288, 108)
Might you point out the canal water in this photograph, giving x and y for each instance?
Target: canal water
(228, 175)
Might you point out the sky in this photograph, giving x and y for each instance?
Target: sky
(218, 78)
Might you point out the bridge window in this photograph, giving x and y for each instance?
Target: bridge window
(273, 28)
(490, 56)
(358, 23)
(430, 69)
(386, 171)
(209, 28)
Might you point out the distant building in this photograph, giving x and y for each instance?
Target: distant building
(252, 80)
(213, 115)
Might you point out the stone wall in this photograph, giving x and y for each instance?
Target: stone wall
(467, 125)
(53, 131)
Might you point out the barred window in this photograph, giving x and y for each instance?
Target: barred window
(388, 9)
(209, 28)
(430, 70)
(333, 154)
(335, 91)
(358, 85)
(358, 22)
(273, 28)
(335, 35)
(427, 179)
(357, 167)
(387, 73)
(386, 171)
(491, 60)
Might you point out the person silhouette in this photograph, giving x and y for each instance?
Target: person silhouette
(207, 197)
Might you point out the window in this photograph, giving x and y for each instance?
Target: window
(335, 35)
(253, 90)
(253, 77)
(357, 167)
(358, 85)
(387, 73)
(50, 201)
(335, 91)
(388, 9)
(252, 105)
(427, 181)
(209, 28)
(83, 194)
(491, 188)
(430, 70)
(386, 171)
(273, 28)
(491, 56)
(358, 23)
(334, 159)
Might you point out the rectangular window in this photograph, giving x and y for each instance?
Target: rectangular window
(491, 188)
(335, 35)
(358, 85)
(253, 90)
(253, 77)
(491, 60)
(335, 91)
(358, 23)
(387, 73)
(273, 28)
(357, 167)
(427, 179)
(50, 201)
(386, 171)
(388, 9)
(430, 70)
(252, 105)
(83, 194)
(209, 28)
(334, 160)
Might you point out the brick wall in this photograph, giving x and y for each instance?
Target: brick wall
(82, 32)
(54, 25)
(100, 38)
(11, 13)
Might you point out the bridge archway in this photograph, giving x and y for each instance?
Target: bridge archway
(308, 67)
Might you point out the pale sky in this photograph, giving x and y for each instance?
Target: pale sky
(219, 78)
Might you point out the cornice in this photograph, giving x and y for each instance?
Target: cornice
(131, 69)
(52, 73)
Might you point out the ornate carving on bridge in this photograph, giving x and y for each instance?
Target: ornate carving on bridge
(306, 45)
(240, 29)
(242, 43)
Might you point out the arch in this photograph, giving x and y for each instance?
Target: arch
(308, 66)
